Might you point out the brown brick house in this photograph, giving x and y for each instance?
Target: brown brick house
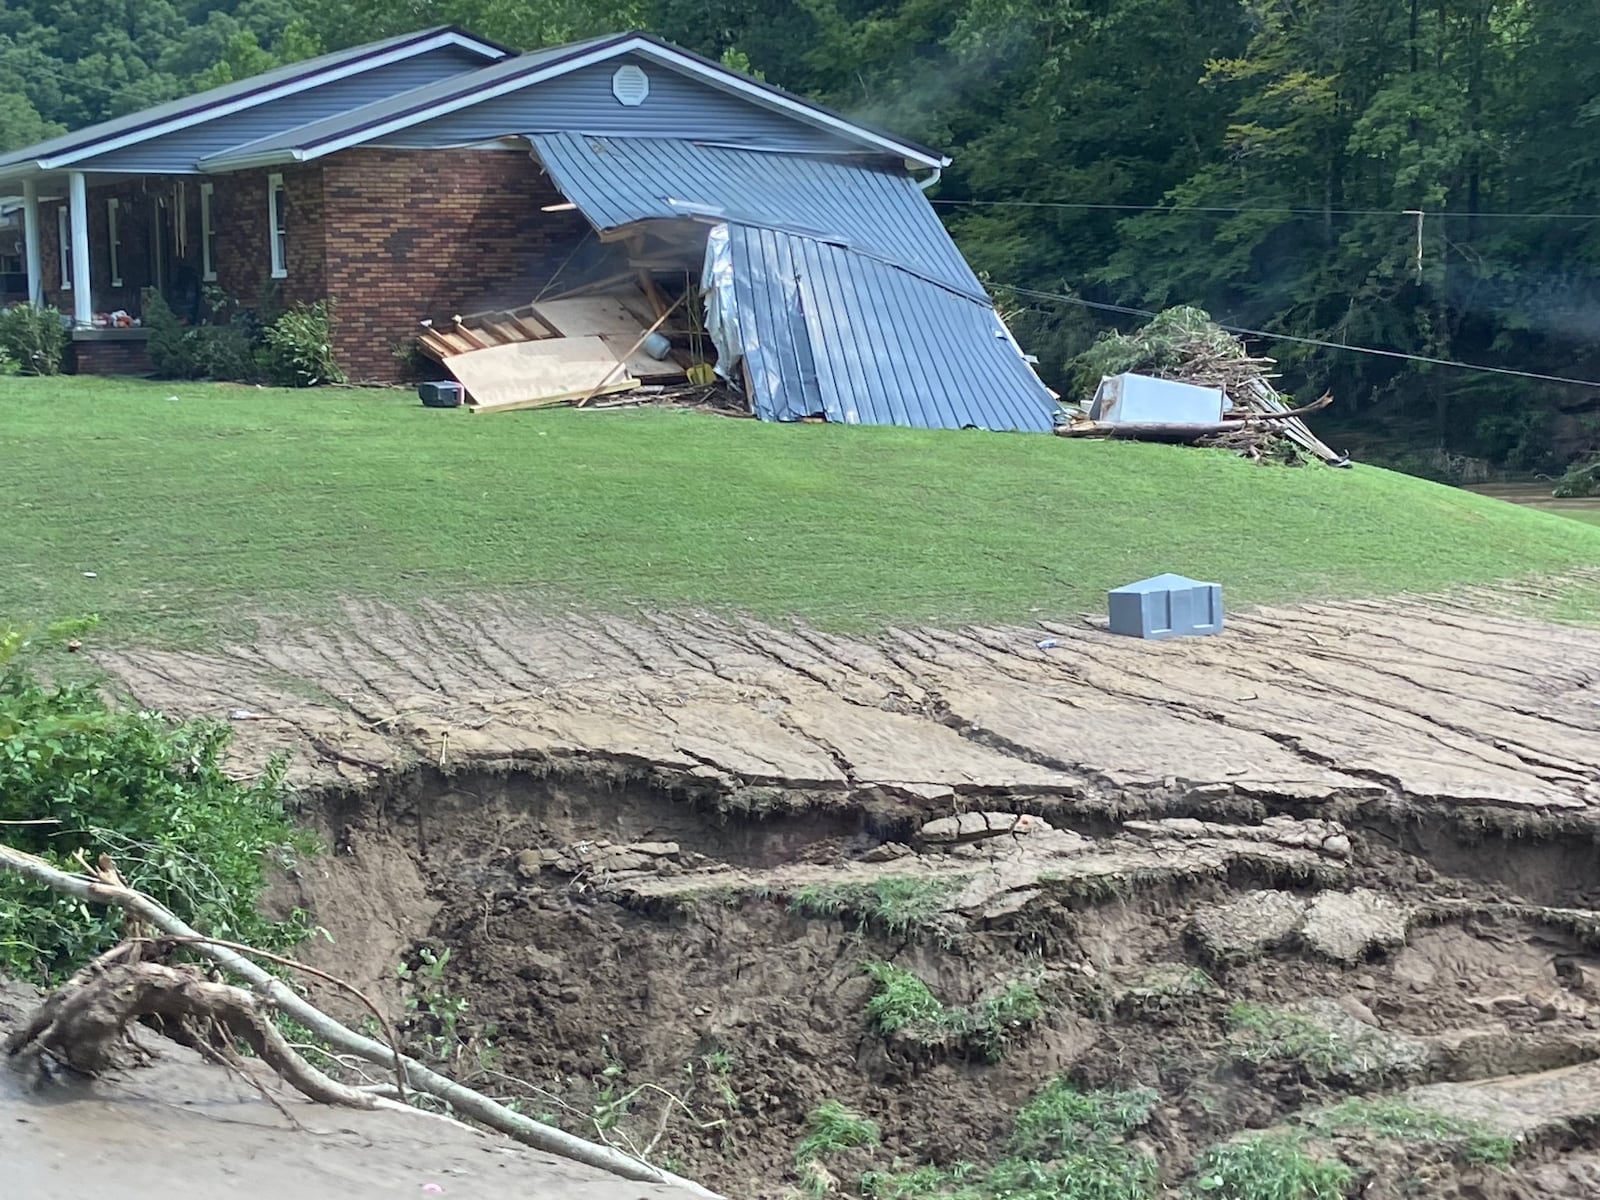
(437, 173)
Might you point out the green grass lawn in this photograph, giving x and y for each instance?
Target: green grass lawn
(196, 505)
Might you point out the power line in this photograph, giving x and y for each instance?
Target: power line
(1305, 341)
(1293, 212)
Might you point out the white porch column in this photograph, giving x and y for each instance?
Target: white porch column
(82, 300)
(33, 261)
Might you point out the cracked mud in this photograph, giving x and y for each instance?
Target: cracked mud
(1342, 850)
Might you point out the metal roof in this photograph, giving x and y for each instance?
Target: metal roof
(872, 208)
(256, 89)
(826, 330)
(424, 103)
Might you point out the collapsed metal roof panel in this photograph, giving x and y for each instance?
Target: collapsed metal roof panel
(873, 208)
(825, 330)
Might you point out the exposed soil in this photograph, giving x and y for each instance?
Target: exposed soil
(660, 852)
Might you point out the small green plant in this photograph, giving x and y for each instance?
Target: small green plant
(901, 1001)
(1268, 1166)
(1060, 1118)
(902, 1005)
(1066, 1144)
(436, 1016)
(1394, 1118)
(830, 1127)
(1264, 1034)
(897, 905)
(299, 347)
(33, 338)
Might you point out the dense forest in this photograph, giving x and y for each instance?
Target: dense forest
(1420, 177)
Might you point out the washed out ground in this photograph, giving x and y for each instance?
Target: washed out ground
(705, 885)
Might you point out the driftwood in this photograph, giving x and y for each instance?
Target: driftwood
(270, 991)
(1147, 431)
(85, 1022)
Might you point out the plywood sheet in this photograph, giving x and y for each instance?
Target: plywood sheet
(529, 370)
(591, 315)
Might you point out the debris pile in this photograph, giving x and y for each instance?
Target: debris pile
(574, 349)
(1180, 353)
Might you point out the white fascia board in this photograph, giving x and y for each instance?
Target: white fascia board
(727, 81)
(201, 115)
(730, 81)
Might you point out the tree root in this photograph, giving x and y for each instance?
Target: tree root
(269, 991)
(84, 1024)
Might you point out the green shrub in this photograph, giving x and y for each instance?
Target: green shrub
(300, 349)
(34, 338)
(172, 348)
(150, 792)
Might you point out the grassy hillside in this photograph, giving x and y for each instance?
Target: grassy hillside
(194, 505)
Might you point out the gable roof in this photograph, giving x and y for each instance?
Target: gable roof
(385, 117)
(63, 151)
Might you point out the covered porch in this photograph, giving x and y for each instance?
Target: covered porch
(93, 242)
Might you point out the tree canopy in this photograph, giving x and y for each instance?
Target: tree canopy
(1414, 176)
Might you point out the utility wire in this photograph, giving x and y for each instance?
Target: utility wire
(1294, 212)
(1305, 341)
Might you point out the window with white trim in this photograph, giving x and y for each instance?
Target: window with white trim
(277, 203)
(64, 237)
(208, 261)
(114, 242)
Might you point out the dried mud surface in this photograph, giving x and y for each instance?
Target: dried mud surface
(657, 850)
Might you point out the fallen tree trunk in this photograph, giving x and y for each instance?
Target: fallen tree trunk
(1153, 431)
(466, 1101)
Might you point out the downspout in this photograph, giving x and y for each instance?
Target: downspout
(931, 179)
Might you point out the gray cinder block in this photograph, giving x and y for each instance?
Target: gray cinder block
(1166, 606)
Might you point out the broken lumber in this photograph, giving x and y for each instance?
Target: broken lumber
(465, 1100)
(560, 398)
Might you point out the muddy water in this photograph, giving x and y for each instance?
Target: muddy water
(1537, 495)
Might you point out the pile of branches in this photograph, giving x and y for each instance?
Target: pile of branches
(1181, 343)
(1185, 345)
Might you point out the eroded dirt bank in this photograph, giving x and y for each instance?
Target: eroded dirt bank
(1341, 851)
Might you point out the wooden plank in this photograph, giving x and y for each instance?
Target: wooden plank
(590, 316)
(434, 346)
(530, 370)
(531, 329)
(610, 389)
(460, 331)
(634, 349)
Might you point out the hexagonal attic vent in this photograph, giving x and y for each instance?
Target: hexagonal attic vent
(630, 85)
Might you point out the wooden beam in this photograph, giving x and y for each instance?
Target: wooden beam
(606, 389)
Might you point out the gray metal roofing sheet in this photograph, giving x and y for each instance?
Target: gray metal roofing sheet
(213, 97)
(874, 210)
(826, 330)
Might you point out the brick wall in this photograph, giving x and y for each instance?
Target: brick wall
(243, 248)
(414, 234)
(108, 358)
